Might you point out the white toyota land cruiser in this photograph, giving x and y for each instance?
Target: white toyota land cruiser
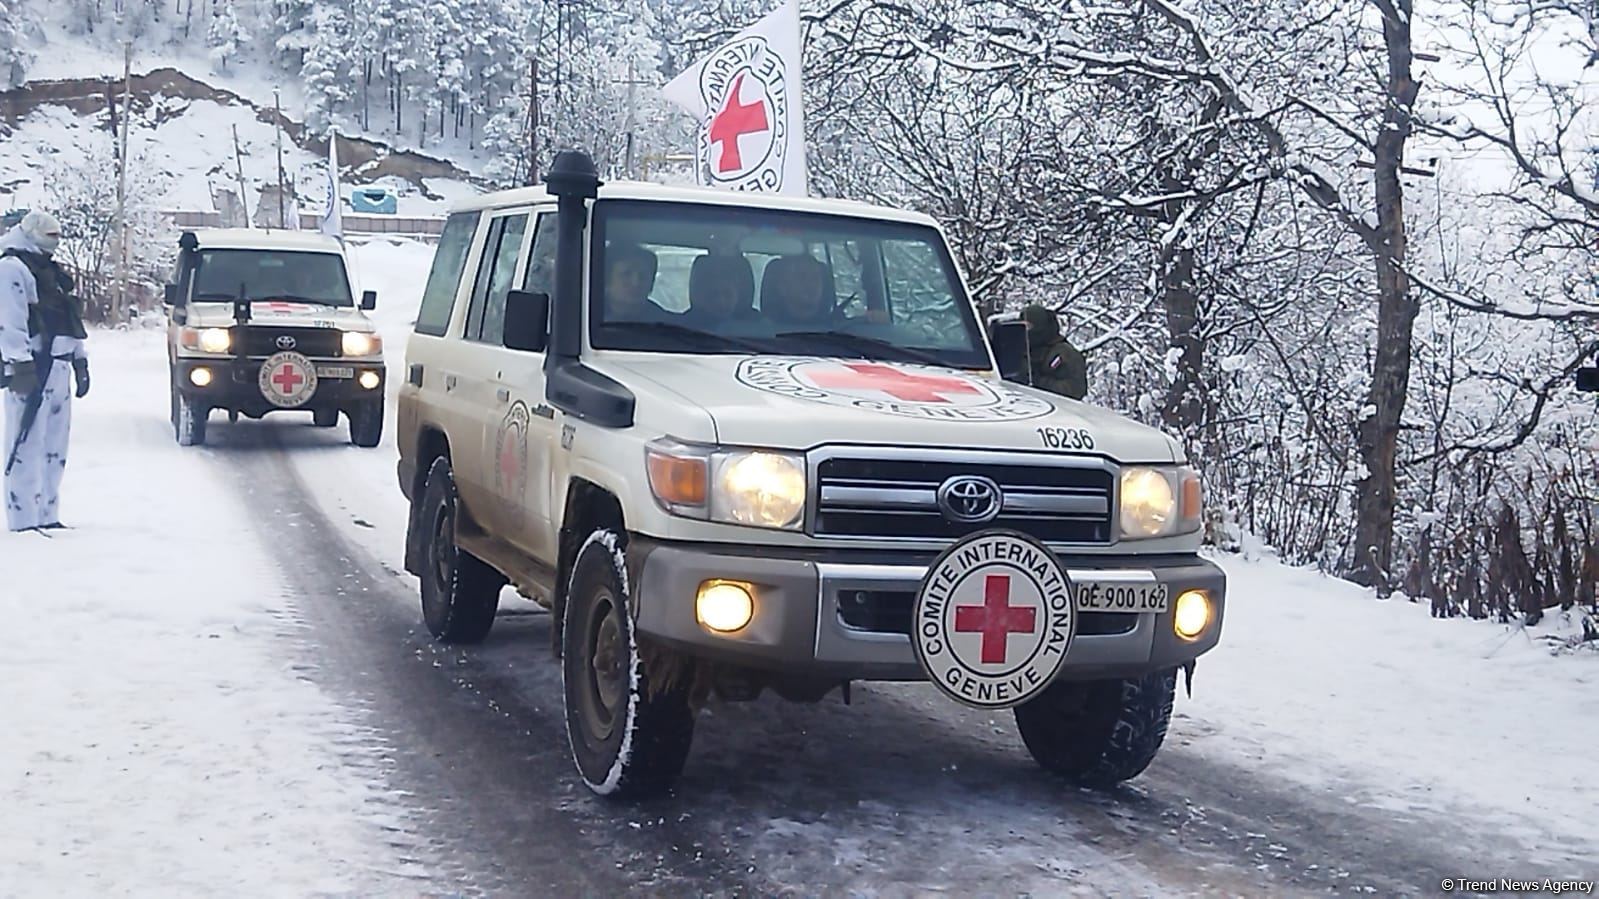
(266, 321)
(738, 441)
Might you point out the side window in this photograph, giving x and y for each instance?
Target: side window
(438, 298)
(541, 269)
(486, 317)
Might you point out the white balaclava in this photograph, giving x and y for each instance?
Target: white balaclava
(43, 229)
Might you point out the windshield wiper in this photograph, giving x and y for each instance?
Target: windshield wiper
(685, 331)
(862, 342)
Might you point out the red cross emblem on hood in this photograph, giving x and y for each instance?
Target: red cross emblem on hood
(901, 385)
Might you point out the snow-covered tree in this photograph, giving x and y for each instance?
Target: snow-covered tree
(226, 36)
(16, 38)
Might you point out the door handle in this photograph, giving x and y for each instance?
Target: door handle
(416, 375)
(449, 382)
(503, 394)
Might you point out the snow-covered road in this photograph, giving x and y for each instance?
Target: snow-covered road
(219, 683)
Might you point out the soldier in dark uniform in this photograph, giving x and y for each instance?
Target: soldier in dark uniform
(1057, 365)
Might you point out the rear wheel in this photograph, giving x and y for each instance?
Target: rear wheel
(366, 424)
(325, 418)
(1099, 733)
(460, 593)
(629, 738)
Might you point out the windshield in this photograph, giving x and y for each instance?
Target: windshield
(727, 279)
(302, 277)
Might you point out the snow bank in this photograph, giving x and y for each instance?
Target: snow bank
(1323, 684)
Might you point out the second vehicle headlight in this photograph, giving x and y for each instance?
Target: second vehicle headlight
(358, 343)
(759, 488)
(1159, 502)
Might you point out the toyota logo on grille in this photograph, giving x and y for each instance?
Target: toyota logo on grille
(286, 342)
(969, 499)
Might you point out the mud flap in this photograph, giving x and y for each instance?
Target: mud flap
(413, 542)
(1188, 678)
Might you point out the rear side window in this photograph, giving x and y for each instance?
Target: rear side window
(438, 298)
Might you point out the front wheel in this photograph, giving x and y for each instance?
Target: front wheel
(460, 593)
(188, 420)
(1099, 733)
(629, 739)
(366, 424)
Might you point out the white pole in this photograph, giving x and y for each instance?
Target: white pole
(120, 309)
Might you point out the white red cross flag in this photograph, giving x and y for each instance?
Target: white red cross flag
(746, 94)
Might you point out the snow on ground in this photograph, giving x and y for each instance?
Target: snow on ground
(1315, 680)
(159, 736)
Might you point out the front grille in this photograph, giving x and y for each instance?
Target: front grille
(263, 341)
(889, 612)
(897, 498)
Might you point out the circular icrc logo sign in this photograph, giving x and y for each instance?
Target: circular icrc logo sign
(993, 620)
(287, 380)
(914, 391)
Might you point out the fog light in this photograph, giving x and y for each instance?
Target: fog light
(724, 607)
(200, 377)
(1192, 616)
(369, 380)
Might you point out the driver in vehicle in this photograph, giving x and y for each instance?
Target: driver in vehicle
(794, 293)
(720, 289)
(629, 277)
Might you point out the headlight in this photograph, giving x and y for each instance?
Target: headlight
(1159, 502)
(357, 343)
(206, 340)
(759, 488)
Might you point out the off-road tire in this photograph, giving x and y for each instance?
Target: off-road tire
(628, 740)
(366, 424)
(188, 420)
(460, 593)
(1099, 733)
(325, 418)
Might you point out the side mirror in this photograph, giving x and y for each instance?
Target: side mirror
(369, 301)
(527, 321)
(1588, 379)
(1011, 351)
(169, 294)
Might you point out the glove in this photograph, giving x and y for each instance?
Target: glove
(24, 377)
(80, 371)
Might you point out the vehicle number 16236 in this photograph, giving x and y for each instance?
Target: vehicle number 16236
(1066, 438)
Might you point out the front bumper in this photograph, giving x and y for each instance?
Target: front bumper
(847, 615)
(235, 385)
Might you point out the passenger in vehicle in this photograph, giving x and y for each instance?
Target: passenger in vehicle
(629, 277)
(720, 289)
(796, 292)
